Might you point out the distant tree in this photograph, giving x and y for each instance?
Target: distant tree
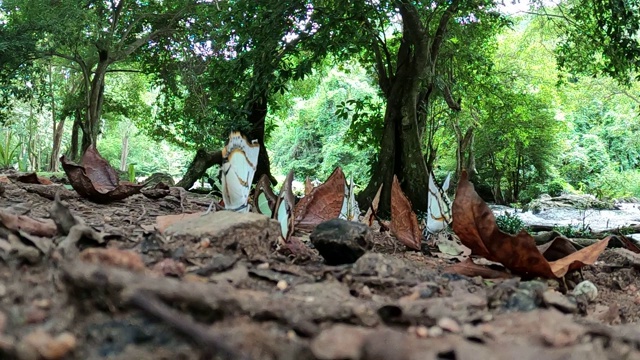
(92, 36)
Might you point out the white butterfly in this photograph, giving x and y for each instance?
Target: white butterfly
(239, 166)
(439, 206)
(276, 207)
(350, 210)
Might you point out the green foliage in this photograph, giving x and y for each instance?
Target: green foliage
(510, 223)
(574, 231)
(555, 187)
(8, 149)
(599, 37)
(131, 170)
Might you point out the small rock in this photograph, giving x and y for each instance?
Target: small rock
(254, 233)
(340, 342)
(435, 331)
(3, 290)
(282, 285)
(450, 325)
(559, 301)
(169, 267)
(35, 315)
(218, 263)
(586, 289)
(40, 344)
(422, 331)
(341, 241)
(157, 178)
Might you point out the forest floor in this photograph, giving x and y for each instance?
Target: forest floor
(192, 299)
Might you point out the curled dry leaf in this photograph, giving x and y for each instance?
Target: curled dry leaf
(33, 178)
(475, 225)
(322, 204)
(404, 222)
(96, 180)
(114, 257)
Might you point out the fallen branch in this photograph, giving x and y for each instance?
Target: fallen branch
(118, 286)
(208, 343)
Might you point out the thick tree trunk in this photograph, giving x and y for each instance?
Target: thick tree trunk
(400, 151)
(257, 119)
(201, 162)
(406, 83)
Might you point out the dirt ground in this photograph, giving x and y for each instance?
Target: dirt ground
(193, 300)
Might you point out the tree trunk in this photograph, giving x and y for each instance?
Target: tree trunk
(201, 162)
(400, 151)
(257, 118)
(91, 128)
(124, 153)
(77, 127)
(402, 83)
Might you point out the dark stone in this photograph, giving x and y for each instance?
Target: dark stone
(341, 241)
(157, 178)
(218, 263)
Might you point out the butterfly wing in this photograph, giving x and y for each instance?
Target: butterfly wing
(284, 207)
(350, 210)
(439, 206)
(238, 169)
(264, 200)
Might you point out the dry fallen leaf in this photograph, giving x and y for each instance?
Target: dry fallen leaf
(33, 178)
(96, 180)
(322, 204)
(164, 221)
(475, 225)
(471, 269)
(114, 257)
(404, 222)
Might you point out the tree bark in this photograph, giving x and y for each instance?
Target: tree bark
(400, 146)
(77, 127)
(201, 162)
(257, 118)
(124, 152)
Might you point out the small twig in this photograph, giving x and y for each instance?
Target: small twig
(210, 344)
(144, 212)
(182, 192)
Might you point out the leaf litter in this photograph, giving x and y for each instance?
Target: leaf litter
(127, 290)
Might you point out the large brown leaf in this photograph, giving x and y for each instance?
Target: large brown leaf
(475, 225)
(404, 222)
(322, 204)
(96, 180)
